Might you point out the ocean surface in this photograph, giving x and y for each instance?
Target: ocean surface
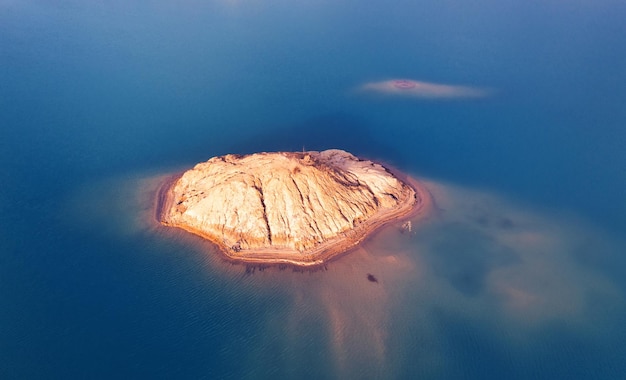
(520, 273)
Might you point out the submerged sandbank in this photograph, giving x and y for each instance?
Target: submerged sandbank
(421, 89)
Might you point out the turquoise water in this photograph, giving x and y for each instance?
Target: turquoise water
(518, 275)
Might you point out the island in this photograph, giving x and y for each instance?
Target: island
(294, 208)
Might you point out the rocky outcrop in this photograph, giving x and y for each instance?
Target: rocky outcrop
(294, 207)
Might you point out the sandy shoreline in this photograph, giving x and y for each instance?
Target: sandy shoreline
(163, 199)
(419, 205)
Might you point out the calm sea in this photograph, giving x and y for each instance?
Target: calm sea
(519, 274)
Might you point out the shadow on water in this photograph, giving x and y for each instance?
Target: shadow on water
(329, 131)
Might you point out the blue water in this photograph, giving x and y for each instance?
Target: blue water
(95, 98)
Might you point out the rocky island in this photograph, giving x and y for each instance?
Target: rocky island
(287, 208)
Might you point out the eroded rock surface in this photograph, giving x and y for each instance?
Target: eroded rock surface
(295, 204)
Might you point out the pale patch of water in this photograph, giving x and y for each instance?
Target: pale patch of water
(480, 274)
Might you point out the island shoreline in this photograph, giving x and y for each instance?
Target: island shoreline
(420, 205)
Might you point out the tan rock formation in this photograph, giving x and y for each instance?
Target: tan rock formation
(298, 208)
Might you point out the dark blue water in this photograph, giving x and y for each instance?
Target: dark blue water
(521, 276)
